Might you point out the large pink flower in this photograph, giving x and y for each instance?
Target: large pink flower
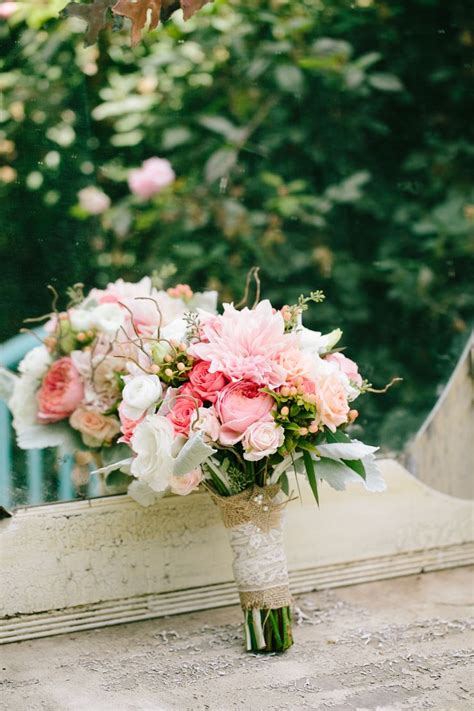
(61, 391)
(238, 406)
(246, 344)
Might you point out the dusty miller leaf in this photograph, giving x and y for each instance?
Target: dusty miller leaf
(95, 14)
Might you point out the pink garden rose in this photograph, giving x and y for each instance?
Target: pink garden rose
(184, 410)
(346, 366)
(238, 406)
(184, 485)
(154, 175)
(61, 391)
(95, 428)
(127, 426)
(246, 344)
(331, 401)
(206, 384)
(262, 439)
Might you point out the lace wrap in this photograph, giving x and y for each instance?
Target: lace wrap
(254, 522)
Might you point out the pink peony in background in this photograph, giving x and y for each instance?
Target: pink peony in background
(154, 175)
(7, 9)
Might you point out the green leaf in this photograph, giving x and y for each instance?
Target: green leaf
(356, 466)
(220, 163)
(385, 82)
(285, 484)
(337, 436)
(309, 465)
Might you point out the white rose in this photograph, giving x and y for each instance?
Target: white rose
(176, 330)
(152, 443)
(80, 319)
(108, 318)
(22, 403)
(140, 393)
(35, 363)
(262, 439)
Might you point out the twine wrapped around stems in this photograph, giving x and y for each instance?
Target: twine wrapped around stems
(254, 520)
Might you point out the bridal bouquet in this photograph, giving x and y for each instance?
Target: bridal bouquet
(236, 402)
(68, 389)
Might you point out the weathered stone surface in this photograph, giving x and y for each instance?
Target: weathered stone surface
(398, 644)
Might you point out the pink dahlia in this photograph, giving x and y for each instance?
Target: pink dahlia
(246, 344)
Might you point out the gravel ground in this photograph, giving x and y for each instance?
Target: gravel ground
(405, 643)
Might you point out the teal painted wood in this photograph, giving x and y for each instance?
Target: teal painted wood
(5, 456)
(34, 460)
(65, 487)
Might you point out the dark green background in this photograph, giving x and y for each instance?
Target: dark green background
(328, 142)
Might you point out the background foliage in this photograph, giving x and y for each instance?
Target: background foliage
(328, 142)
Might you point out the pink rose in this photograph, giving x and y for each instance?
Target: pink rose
(238, 406)
(154, 175)
(7, 9)
(331, 401)
(346, 366)
(206, 384)
(183, 410)
(61, 391)
(127, 426)
(262, 439)
(95, 428)
(183, 485)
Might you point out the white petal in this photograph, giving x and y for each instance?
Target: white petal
(346, 450)
(143, 494)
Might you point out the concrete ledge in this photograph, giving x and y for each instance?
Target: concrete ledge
(105, 561)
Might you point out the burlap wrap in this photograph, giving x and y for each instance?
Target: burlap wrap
(254, 521)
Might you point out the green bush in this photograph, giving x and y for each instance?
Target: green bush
(328, 142)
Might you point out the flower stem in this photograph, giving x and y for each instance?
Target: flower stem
(268, 630)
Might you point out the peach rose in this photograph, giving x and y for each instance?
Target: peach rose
(61, 391)
(262, 439)
(183, 485)
(183, 410)
(95, 428)
(331, 401)
(296, 363)
(206, 384)
(238, 406)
